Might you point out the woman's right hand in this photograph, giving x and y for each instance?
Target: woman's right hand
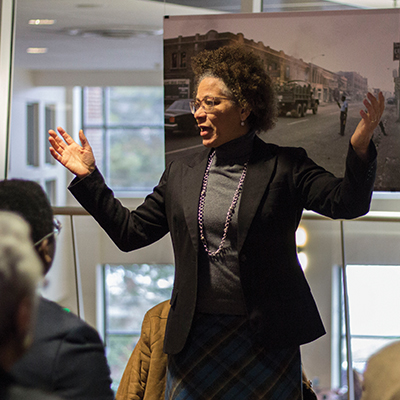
(77, 159)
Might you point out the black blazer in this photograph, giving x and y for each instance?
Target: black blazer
(11, 390)
(280, 183)
(66, 357)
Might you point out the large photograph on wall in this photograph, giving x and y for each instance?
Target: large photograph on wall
(315, 60)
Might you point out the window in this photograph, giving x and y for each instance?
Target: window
(129, 292)
(287, 72)
(374, 304)
(125, 127)
(32, 131)
(50, 188)
(50, 123)
(174, 60)
(183, 59)
(272, 66)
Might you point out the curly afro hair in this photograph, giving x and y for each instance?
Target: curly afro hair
(244, 74)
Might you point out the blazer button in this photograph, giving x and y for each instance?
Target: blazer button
(243, 258)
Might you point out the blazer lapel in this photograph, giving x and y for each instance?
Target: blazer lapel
(259, 173)
(192, 178)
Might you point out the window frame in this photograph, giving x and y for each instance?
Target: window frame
(108, 333)
(342, 348)
(106, 129)
(32, 134)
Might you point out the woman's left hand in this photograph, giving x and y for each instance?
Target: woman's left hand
(369, 121)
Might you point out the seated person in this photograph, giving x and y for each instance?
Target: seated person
(381, 376)
(20, 272)
(145, 374)
(67, 355)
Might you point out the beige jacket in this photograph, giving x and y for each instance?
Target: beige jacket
(145, 374)
(382, 374)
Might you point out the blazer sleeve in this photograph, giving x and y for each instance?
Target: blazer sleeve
(347, 197)
(129, 230)
(80, 370)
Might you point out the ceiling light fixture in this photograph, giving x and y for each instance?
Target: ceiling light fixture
(303, 259)
(36, 50)
(301, 237)
(39, 21)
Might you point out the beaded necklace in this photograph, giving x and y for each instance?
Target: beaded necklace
(230, 213)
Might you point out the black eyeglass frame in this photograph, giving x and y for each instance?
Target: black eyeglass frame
(56, 231)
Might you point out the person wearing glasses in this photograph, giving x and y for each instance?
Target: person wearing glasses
(67, 355)
(240, 306)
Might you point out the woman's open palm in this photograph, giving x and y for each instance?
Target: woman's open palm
(77, 159)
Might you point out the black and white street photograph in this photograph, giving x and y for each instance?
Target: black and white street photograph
(320, 63)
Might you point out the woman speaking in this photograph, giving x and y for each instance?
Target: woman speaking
(241, 305)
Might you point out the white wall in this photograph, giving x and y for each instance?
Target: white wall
(24, 92)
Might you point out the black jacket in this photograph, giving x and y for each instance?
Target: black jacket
(280, 183)
(67, 357)
(11, 390)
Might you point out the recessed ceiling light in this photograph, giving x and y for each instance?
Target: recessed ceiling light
(42, 21)
(36, 50)
(301, 236)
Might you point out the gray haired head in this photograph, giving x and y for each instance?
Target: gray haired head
(20, 272)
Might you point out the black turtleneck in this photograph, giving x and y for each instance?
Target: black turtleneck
(219, 287)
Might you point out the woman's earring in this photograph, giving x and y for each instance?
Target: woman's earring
(241, 123)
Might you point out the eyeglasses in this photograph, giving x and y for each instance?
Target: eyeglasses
(56, 231)
(207, 103)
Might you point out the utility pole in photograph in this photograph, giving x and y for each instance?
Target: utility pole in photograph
(396, 56)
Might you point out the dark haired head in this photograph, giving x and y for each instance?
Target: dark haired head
(245, 76)
(28, 199)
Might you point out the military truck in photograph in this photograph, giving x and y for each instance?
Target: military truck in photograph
(296, 97)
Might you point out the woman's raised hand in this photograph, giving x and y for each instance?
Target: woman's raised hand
(77, 159)
(369, 121)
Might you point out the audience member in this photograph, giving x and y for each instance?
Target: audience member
(67, 355)
(381, 376)
(145, 374)
(20, 272)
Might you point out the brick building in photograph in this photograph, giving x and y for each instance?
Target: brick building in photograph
(357, 85)
(282, 68)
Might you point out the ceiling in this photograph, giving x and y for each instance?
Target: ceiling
(124, 34)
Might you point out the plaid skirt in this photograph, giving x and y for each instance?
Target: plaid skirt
(222, 361)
